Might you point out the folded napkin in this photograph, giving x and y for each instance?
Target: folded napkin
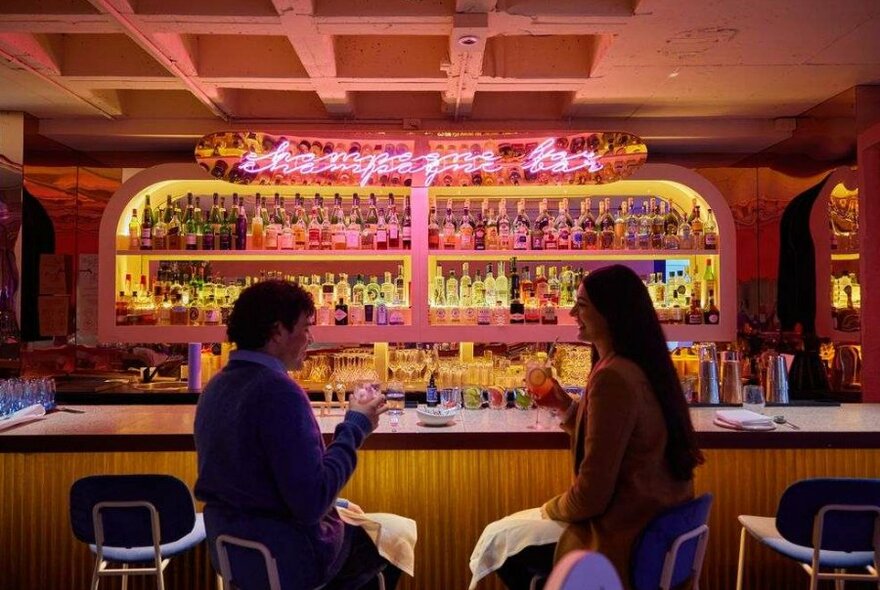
(509, 536)
(394, 536)
(743, 418)
(28, 414)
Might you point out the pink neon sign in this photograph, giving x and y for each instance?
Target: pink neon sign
(266, 160)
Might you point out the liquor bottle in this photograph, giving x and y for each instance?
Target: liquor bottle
(392, 223)
(225, 234)
(697, 228)
(504, 235)
(343, 289)
(521, 227)
(672, 220)
(480, 233)
(711, 315)
(299, 225)
(449, 228)
(708, 279)
(536, 236)
(355, 225)
(327, 290)
(160, 229)
(438, 297)
(433, 228)
(620, 226)
(174, 232)
(382, 235)
(406, 226)
(431, 397)
(631, 239)
(540, 286)
(606, 225)
(478, 290)
(286, 240)
(567, 287)
(658, 226)
(491, 227)
(517, 309)
(209, 237)
(258, 229)
(696, 283)
(387, 288)
(563, 225)
(452, 289)
(645, 220)
(371, 221)
(577, 229)
(400, 291)
(710, 232)
(147, 226)
(464, 286)
(214, 221)
(489, 286)
(670, 228)
(466, 227)
(381, 311)
(273, 227)
(502, 288)
(591, 230)
(694, 316)
(554, 286)
(313, 233)
(241, 227)
(192, 229)
(372, 290)
(326, 226)
(340, 314)
(337, 224)
(514, 280)
(134, 231)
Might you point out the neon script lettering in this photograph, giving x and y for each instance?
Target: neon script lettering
(433, 164)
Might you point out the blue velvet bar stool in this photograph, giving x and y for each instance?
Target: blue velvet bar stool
(252, 565)
(141, 520)
(823, 523)
(671, 549)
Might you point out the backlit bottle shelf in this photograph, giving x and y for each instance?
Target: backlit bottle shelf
(570, 254)
(267, 254)
(326, 334)
(839, 255)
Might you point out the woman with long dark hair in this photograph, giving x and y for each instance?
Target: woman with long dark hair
(633, 446)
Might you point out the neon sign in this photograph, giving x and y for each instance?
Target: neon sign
(268, 160)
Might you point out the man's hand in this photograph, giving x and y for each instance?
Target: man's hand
(372, 408)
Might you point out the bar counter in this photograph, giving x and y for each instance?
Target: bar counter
(452, 480)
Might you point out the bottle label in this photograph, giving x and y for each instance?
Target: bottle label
(340, 316)
(431, 396)
(517, 318)
(395, 316)
(484, 316)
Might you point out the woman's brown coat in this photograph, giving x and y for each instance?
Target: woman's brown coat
(621, 478)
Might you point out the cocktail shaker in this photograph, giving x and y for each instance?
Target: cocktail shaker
(776, 379)
(708, 374)
(731, 384)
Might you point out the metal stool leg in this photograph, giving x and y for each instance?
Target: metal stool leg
(742, 557)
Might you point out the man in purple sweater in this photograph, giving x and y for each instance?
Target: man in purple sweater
(264, 472)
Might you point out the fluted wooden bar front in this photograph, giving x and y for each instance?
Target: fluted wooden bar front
(453, 481)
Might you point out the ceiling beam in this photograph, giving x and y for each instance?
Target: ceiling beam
(58, 23)
(36, 50)
(316, 53)
(85, 97)
(123, 13)
(467, 45)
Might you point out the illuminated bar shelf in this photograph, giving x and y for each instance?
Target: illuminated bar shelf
(267, 254)
(466, 255)
(838, 255)
(327, 334)
(666, 181)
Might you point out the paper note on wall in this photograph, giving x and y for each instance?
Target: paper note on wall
(87, 300)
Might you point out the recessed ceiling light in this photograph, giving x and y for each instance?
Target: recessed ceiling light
(673, 74)
(468, 40)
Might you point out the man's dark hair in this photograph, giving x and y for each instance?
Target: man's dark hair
(260, 306)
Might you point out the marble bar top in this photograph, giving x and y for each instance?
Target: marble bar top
(169, 428)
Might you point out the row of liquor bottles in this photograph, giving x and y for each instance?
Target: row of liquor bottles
(207, 298)
(652, 225)
(170, 228)
(846, 293)
(687, 296)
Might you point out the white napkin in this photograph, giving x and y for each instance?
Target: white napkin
(509, 536)
(743, 418)
(28, 414)
(394, 536)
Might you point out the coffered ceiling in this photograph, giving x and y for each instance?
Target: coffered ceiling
(689, 76)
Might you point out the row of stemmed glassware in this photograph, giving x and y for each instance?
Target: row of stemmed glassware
(17, 394)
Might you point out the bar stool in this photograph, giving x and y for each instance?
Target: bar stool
(272, 580)
(134, 519)
(822, 523)
(584, 570)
